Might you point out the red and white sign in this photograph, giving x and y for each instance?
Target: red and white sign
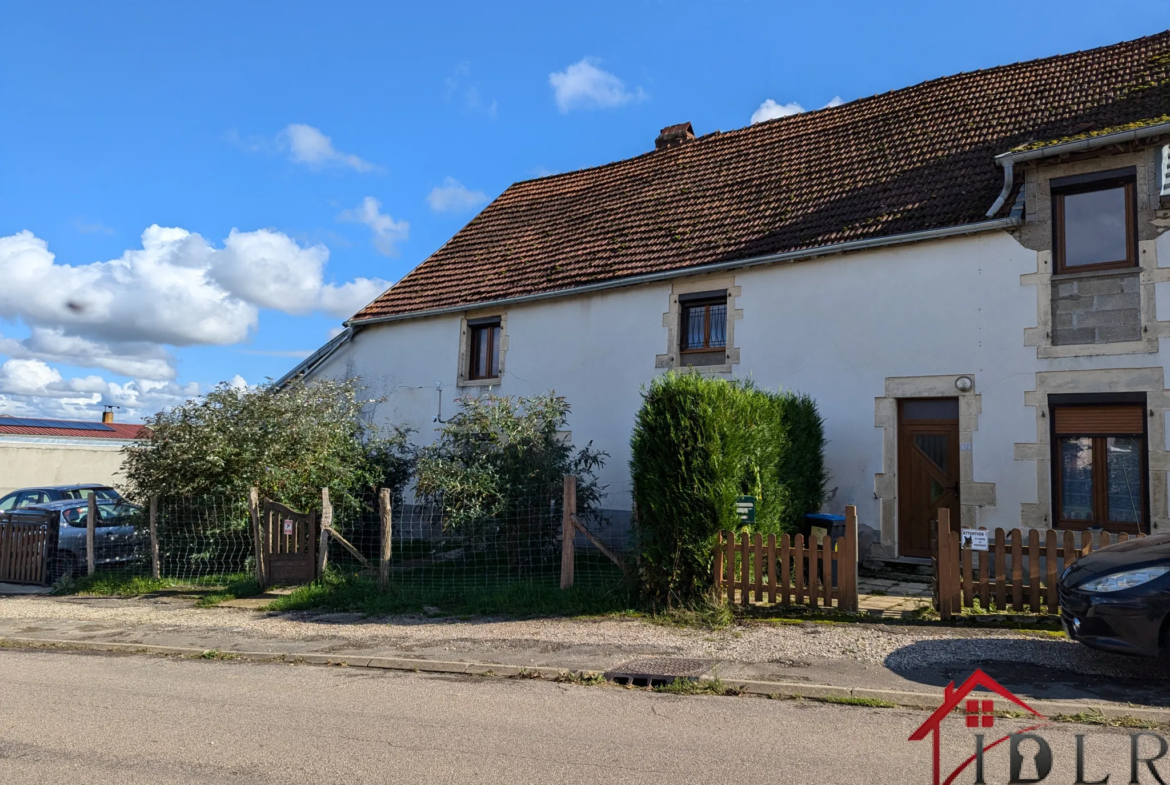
(288, 526)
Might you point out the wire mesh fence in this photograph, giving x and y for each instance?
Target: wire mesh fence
(200, 540)
(437, 547)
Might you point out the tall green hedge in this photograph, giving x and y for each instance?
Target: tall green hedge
(699, 443)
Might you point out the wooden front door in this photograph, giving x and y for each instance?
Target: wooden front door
(928, 469)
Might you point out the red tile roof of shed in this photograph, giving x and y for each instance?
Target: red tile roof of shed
(909, 160)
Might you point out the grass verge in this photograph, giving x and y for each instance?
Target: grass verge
(359, 594)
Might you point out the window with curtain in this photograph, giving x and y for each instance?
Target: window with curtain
(1099, 460)
(484, 349)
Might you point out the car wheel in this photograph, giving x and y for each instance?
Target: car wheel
(64, 566)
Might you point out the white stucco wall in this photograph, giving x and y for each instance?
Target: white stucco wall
(836, 328)
(31, 462)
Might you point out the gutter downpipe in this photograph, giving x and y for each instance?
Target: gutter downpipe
(1008, 160)
(758, 261)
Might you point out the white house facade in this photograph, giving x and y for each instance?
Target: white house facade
(1004, 356)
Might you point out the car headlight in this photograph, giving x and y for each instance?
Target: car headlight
(1120, 581)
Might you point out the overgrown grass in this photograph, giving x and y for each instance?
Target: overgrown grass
(698, 687)
(581, 678)
(359, 594)
(849, 700)
(122, 585)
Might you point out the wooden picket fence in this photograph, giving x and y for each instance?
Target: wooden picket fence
(28, 544)
(1019, 570)
(788, 570)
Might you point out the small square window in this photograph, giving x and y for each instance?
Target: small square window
(704, 324)
(1094, 225)
(484, 349)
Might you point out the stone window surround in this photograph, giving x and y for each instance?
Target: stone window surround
(1037, 515)
(1037, 234)
(972, 495)
(672, 320)
(461, 379)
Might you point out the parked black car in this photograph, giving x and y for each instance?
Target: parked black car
(27, 497)
(1118, 598)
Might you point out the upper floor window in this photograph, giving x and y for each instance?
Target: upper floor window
(704, 322)
(484, 349)
(1093, 221)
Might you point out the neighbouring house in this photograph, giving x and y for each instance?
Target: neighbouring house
(38, 451)
(970, 275)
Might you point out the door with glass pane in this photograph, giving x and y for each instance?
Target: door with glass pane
(1099, 466)
(928, 469)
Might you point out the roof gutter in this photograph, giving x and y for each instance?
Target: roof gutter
(308, 364)
(1010, 159)
(757, 261)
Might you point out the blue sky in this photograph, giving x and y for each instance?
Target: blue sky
(344, 142)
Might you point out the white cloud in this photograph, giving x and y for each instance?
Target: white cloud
(387, 232)
(307, 145)
(177, 290)
(238, 382)
(770, 110)
(454, 197)
(33, 387)
(460, 84)
(583, 85)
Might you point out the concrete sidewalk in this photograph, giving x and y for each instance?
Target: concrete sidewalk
(801, 657)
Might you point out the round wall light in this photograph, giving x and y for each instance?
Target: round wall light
(964, 384)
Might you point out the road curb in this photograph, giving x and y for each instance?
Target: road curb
(771, 689)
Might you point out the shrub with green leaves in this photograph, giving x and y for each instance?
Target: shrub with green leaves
(290, 443)
(698, 444)
(501, 462)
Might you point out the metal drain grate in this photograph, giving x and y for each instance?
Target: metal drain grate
(659, 671)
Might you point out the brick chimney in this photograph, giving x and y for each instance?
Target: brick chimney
(108, 415)
(674, 135)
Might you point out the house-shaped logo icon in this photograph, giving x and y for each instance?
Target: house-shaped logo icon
(980, 713)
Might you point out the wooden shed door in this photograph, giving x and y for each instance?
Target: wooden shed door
(928, 469)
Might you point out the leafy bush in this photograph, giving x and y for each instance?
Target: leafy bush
(699, 443)
(498, 467)
(290, 443)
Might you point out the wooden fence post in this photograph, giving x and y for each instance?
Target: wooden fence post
(326, 523)
(568, 532)
(257, 539)
(943, 563)
(90, 523)
(847, 568)
(384, 508)
(154, 537)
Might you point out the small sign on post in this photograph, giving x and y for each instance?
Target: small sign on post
(288, 527)
(745, 508)
(974, 539)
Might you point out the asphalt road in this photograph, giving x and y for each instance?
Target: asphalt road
(86, 718)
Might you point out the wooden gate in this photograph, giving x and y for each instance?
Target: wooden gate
(28, 546)
(288, 545)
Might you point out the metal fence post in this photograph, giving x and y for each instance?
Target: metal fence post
(384, 507)
(568, 532)
(154, 572)
(90, 522)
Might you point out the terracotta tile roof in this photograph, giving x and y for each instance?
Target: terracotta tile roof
(120, 432)
(908, 160)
